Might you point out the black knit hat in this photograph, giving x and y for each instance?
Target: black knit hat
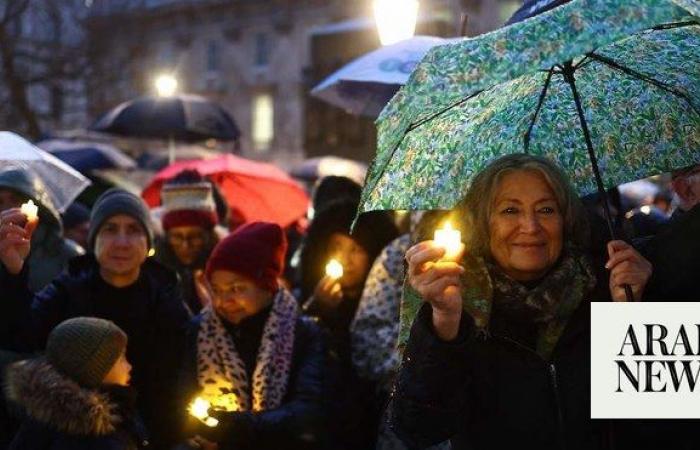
(373, 231)
(118, 201)
(85, 349)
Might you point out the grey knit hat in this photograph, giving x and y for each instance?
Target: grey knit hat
(118, 201)
(85, 349)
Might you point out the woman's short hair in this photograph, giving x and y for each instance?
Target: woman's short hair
(475, 208)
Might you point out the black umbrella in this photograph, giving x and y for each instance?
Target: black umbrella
(181, 117)
(532, 8)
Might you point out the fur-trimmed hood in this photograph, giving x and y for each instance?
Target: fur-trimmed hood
(55, 400)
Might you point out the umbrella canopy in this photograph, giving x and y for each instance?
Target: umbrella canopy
(566, 85)
(693, 6)
(62, 183)
(86, 156)
(181, 117)
(324, 166)
(365, 85)
(258, 191)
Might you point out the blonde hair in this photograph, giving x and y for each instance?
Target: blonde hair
(475, 208)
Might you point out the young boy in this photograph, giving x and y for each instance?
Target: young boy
(77, 396)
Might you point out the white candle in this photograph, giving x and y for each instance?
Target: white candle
(199, 408)
(30, 210)
(449, 239)
(334, 269)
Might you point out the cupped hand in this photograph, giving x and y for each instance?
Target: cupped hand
(15, 239)
(627, 267)
(328, 292)
(438, 283)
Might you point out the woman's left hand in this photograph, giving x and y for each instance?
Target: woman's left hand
(627, 267)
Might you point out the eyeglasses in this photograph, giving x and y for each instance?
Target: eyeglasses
(190, 239)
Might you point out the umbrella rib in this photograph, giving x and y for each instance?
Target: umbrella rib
(672, 25)
(439, 113)
(411, 128)
(543, 94)
(640, 76)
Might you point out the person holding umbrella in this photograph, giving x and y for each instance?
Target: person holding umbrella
(116, 281)
(499, 351)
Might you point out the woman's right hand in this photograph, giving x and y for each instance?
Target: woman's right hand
(15, 237)
(328, 292)
(437, 282)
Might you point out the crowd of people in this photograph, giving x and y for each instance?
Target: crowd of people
(107, 340)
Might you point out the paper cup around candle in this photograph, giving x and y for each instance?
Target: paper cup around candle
(334, 269)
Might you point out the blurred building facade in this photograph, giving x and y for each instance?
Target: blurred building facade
(260, 59)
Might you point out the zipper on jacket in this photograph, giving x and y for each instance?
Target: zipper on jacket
(557, 401)
(553, 383)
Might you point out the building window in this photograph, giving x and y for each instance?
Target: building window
(263, 121)
(213, 56)
(262, 49)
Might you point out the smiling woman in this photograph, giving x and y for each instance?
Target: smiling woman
(510, 315)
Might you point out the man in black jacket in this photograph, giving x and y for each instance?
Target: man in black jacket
(675, 251)
(115, 281)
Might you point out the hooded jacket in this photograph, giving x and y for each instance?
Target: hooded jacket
(50, 252)
(61, 414)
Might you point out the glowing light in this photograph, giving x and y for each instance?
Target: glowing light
(166, 85)
(30, 210)
(396, 19)
(199, 408)
(334, 269)
(449, 239)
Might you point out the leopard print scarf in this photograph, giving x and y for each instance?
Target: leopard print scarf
(221, 371)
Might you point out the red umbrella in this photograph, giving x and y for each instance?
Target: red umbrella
(258, 191)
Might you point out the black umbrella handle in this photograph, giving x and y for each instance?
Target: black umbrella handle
(568, 72)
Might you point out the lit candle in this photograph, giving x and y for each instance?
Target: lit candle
(449, 239)
(334, 269)
(199, 408)
(30, 210)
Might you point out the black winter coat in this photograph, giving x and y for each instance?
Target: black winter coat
(151, 312)
(298, 424)
(495, 392)
(675, 255)
(61, 415)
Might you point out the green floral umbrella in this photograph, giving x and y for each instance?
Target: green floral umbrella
(692, 6)
(593, 79)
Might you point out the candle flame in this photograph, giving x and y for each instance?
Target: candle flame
(199, 408)
(334, 269)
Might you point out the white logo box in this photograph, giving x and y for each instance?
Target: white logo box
(614, 393)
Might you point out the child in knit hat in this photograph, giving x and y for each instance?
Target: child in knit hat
(77, 395)
(258, 362)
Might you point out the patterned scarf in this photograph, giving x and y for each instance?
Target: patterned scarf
(549, 305)
(222, 373)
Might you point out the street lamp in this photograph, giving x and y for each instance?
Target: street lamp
(396, 19)
(166, 85)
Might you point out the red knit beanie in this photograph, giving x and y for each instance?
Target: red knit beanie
(255, 250)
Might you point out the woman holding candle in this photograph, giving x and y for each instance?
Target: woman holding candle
(251, 355)
(334, 301)
(50, 252)
(498, 354)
